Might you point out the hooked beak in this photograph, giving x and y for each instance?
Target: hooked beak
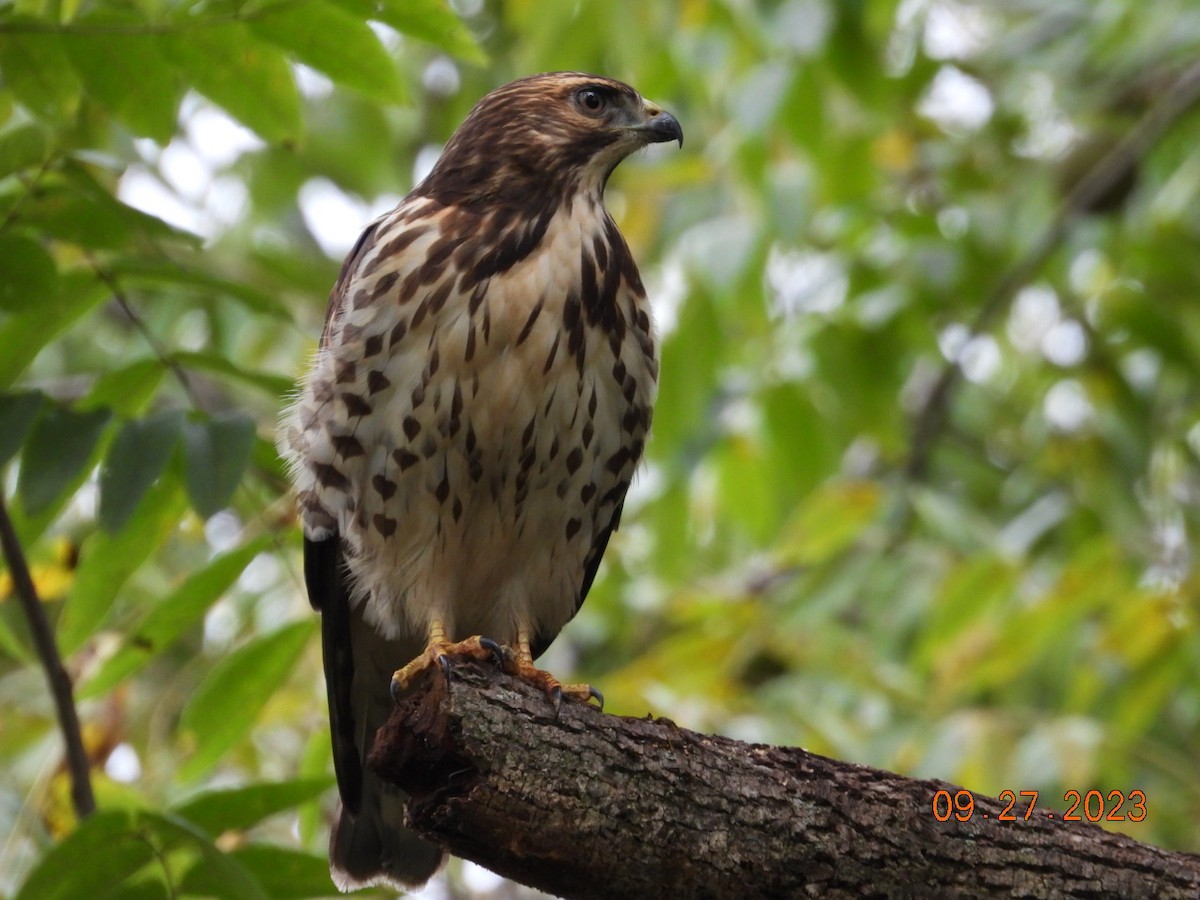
(659, 126)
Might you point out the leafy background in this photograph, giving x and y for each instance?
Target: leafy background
(992, 583)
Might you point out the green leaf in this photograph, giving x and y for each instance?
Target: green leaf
(140, 887)
(315, 760)
(17, 413)
(244, 75)
(968, 603)
(21, 147)
(80, 211)
(802, 453)
(694, 352)
(267, 462)
(105, 849)
(332, 41)
(27, 274)
(429, 20)
(138, 455)
(236, 809)
(829, 521)
(59, 447)
(215, 363)
(126, 390)
(141, 271)
(36, 69)
(24, 335)
(745, 486)
(14, 632)
(284, 874)
(225, 705)
(230, 880)
(216, 452)
(126, 71)
(108, 560)
(111, 848)
(172, 616)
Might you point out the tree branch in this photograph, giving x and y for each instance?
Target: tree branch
(584, 805)
(56, 674)
(1109, 171)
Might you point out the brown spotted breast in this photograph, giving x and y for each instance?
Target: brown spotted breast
(470, 436)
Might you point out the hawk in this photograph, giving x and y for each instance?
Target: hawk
(463, 442)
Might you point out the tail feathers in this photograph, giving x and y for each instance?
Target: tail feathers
(374, 847)
(369, 844)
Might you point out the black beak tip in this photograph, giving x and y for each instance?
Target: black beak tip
(665, 127)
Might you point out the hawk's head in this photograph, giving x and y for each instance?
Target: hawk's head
(559, 132)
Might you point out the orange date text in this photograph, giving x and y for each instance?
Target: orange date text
(1092, 806)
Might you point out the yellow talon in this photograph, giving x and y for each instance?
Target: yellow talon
(438, 651)
(522, 667)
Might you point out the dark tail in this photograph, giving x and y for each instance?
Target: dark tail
(369, 845)
(374, 847)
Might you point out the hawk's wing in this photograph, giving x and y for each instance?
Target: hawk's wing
(327, 581)
(326, 578)
(369, 844)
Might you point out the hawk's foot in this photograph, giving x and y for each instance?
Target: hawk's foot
(440, 651)
(522, 667)
(554, 688)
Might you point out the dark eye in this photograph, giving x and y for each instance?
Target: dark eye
(591, 100)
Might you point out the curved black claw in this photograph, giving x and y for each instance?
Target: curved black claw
(499, 652)
(443, 660)
(396, 691)
(597, 696)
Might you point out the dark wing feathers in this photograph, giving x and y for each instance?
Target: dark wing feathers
(328, 591)
(337, 296)
(326, 578)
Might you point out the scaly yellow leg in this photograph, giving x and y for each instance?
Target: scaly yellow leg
(524, 669)
(437, 651)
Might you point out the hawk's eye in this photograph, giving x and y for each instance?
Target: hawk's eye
(591, 100)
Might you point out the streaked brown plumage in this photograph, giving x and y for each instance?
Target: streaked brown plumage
(464, 440)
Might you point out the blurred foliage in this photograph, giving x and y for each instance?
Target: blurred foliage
(1004, 596)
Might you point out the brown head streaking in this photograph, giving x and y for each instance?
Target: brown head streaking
(464, 440)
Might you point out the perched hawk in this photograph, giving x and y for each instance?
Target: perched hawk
(464, 440)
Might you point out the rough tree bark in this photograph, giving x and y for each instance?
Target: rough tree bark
(583, 804)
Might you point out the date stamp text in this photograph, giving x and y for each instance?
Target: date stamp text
(1092, 806)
